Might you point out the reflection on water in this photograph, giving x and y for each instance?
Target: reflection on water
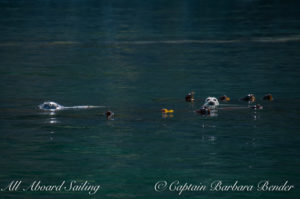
(53, 121)
(167, 115)
(51, 135)
(209, 138)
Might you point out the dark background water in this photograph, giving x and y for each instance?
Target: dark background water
(137, 57)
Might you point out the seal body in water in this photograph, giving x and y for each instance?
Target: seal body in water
(51, 106)
(249, 98)
(224, 98)
(268, 97)
(209, 107)
(190, 97)
(109, 115)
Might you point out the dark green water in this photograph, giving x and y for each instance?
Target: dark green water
(137, 57)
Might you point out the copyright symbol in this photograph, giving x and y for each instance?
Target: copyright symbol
(160, 186)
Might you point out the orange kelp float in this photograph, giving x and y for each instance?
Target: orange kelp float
(164, 110)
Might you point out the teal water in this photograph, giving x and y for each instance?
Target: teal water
(137, 57)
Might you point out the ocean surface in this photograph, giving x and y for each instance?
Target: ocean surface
(136, 57)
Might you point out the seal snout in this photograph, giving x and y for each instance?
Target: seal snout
(211, 103)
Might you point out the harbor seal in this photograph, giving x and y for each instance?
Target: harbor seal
(211, 102)
(109, 115)
(268, 97)
(190, 97)
(224, 98)
(53, 106)
(50, 106)
(249, 98)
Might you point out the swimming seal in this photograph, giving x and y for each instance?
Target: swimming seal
(190, 97)
(249, 98)
(211, 102)
(109, 115)
(268, 97)
(51, 106)
(224, 98)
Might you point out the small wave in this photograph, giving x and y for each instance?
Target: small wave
(295, 38)
(277, 39)
(8, 44)
(291, 38)
(63, 43)
(177, 42)
(34, 44)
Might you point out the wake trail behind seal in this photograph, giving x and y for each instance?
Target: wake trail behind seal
(82, 107)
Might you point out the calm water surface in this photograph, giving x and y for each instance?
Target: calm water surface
(137, 57)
